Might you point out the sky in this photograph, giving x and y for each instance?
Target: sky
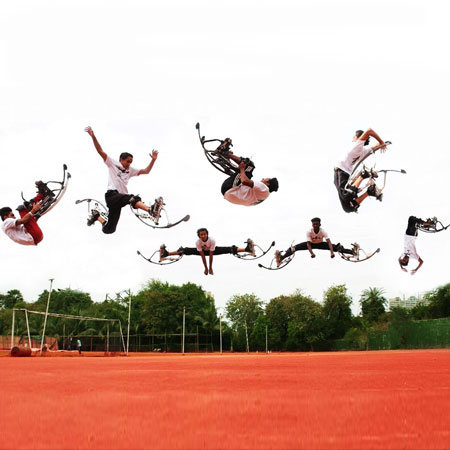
(288, 81)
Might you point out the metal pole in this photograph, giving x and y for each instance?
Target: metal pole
(28, 328)
(267, 347)
(121, 335)
(220, 332)
(246, 336)
(129, 315)
(46, 314)
(184, 323)
(107, 337)
(12, 329)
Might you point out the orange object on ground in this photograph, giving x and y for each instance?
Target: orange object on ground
(21, 351)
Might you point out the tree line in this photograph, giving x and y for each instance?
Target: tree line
(294, 322)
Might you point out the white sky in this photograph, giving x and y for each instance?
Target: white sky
(289, 81)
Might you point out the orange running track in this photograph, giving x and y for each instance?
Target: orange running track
(389, 400)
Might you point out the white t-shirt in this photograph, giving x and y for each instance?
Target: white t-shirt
(410, 247)
(118, 176)
(17, 233)
(210, 244)
(358, 152)
(311, 236)
(246, 195)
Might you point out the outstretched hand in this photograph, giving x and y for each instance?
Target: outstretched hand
(413, 271)
(313, 255)
(89, 131)
(154, 154)
(404, 270)
(332, 255)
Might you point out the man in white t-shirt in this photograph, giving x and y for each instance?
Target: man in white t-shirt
(409, 250)
(316, 238)
(349, 200)
(25, 230)
(204, 244)
(117, 195)
(241, 190)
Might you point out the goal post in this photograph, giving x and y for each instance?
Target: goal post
(64, 316)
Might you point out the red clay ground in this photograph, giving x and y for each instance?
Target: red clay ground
(396, 399)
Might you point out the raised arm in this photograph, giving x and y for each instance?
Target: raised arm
(98, 147)
(371, 133)
(244, 178)
(146, 171)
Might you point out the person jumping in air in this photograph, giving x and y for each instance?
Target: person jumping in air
(348, 195)
(409, 250)
(205, 244)
(240, 189)
(117, 195)
(316, 238)
(25, 230)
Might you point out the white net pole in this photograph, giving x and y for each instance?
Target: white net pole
(28, 328)
(129, 317)
(12, 327)
(220, 332)
(184, 324)
(107, 337)
(46, 314)
(121, 335)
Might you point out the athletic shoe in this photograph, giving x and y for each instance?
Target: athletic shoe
(373, 191)
(234, 250)
(44, 189)
(355, 250)
(93, 217)
(339, 247)
(23, 207)
(224, 147)
(250, 248)
(181, 250)
(163, 253)
(366, 173)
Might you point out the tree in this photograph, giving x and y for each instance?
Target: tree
(12, 299)
(439, 301)
(243, 311)
(64, 301)
(307, 326)
(258, 336)
(163, 304)
(399, 314)
(278, 317)
(372, 304)
(337, 311)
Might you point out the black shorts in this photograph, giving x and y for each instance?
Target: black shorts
(115, 202)
(235, 178)
(230, 182)
(348, 199)
(218, 251)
